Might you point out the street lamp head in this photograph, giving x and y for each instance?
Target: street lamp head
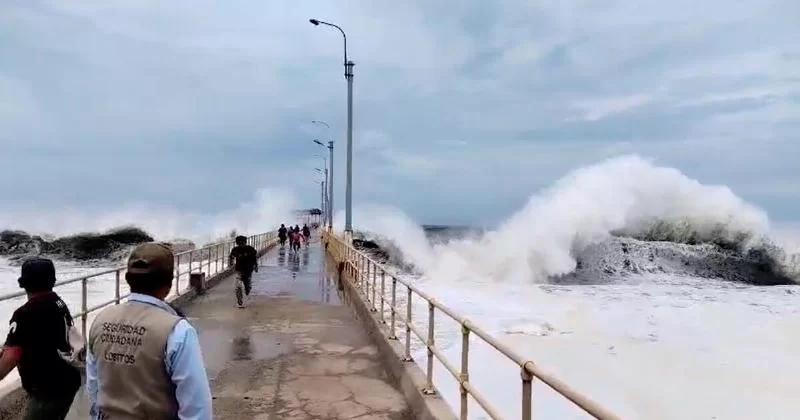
(318, 142)
(314, 22)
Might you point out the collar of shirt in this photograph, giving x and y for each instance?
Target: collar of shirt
(138, 297)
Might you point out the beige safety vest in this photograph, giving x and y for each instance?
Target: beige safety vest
(129, 341)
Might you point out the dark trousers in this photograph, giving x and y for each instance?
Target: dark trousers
(247, 279)
(53, 408)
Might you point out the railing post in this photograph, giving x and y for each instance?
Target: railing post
(365, 279)
(464, 377)
(116, 287)
(392, 330)
(84, 305)
(216, 259)
(178, 275)
(208, 270)
(374, 286)
(428, 390)
(383, 295)
(527, 388)
(407, 357)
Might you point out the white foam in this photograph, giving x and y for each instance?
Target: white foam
(661, 348)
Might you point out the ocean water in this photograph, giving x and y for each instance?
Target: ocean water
(647, 345)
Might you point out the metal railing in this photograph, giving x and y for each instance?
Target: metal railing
(365, 272)
(198, 259)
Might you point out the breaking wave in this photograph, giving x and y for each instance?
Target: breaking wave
(622, 216)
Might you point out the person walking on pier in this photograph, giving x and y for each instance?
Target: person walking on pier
(244, 259)
(282, 235)
(144, 360)
(37, 344)
(306, 234)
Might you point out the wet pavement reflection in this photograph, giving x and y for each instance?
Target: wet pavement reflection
(302, 274)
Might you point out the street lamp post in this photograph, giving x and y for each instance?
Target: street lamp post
(322, 193)
(330, 181)
(348, 75)
(325, 195)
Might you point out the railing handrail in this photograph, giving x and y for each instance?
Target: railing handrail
(529, 369)
(259, 241)
(76, 279)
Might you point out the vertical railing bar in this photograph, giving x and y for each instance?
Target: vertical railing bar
(429, 390)
(383, 295)
(464, 377)
(374, 287)
(116, 286)
(84, 305)
(365, 279)
(392, 329)
(407, 357)
(191, 259)
(527, 390)
(178, 275)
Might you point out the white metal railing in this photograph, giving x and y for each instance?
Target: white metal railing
(198, 259)
(365, 272)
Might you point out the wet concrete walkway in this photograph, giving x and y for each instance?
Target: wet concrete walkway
(294, 351)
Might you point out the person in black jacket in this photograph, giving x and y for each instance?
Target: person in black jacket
(244, 259)
(282, 235)
(37, 342)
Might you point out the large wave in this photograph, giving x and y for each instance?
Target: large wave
(625, 196)
(264, 211)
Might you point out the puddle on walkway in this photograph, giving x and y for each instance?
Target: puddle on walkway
(222, 345)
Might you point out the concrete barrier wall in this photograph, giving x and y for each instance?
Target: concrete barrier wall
(13, 402)
(406, 375)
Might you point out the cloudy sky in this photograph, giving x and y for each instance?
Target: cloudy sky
(462, 109)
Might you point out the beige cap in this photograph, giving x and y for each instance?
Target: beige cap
(152, 257)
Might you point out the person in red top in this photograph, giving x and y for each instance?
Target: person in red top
(37, 340)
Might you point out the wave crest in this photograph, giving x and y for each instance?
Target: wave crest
(626, 196)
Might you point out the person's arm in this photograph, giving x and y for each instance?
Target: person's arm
(91, 383)
(12, 349)
(9, 357)
(184, 364)
(255, 258)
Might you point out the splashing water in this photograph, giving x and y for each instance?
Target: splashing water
(627, 194)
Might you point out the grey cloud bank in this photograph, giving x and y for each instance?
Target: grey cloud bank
(463, 110)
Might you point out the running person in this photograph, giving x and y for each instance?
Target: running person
(306, 233)
(244, 259)
(282, 235)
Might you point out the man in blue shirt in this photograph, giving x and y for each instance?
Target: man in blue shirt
(143, 359)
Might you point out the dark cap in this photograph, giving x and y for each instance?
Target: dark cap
(37, 270)
(151, 258)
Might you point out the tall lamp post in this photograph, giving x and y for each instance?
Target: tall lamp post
(321, 195)
(325, 194)
(322, 192)
(348, 75)
(330, 181)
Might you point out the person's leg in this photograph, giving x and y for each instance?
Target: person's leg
(248, 284)
(238, 289)
(50, 409)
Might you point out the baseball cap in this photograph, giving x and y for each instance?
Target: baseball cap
(151, 258)
(37, 270)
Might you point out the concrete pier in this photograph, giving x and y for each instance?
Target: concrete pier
(294, 352)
